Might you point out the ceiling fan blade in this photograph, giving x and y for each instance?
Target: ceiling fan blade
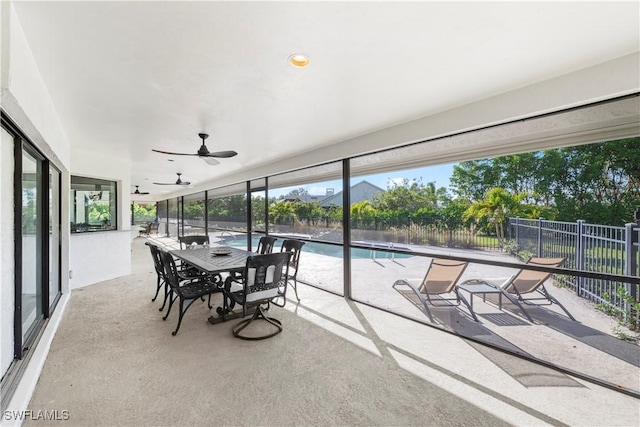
(210, 160)
(173, 154)
(165, 183)
(223, 154)
(185, 183)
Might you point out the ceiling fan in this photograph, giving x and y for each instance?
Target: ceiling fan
(203, 152)
(178, 181)
(139, 192)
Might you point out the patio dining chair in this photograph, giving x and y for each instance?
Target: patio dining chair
(146, 230)
(198, 240)
(529, 282)
(263, 276)
(191, 242)
(157, 263)
(295, 248)
(186, 291)
(265, 245)
(440, 279)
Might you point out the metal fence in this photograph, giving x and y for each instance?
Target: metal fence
(587, 247)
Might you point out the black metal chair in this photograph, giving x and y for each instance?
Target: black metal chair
(189, 292)
(190, 242)
(157, 263)
(295, 248)
(263, 276)
(265, 245)
(187, 241)
(146, 231)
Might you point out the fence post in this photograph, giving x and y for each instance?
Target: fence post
(517, 232)
(579, 253)
(631, 250)
(539, 237)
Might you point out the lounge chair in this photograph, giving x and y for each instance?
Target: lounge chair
(441, 278)
(526, 282)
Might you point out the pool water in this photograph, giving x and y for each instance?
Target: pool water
(318, 248)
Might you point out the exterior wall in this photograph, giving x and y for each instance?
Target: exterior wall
(25, 99)
(98, 256)
(7, 292)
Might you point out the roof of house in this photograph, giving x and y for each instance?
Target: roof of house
(361, 191)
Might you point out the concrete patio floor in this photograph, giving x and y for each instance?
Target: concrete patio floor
(114, 362)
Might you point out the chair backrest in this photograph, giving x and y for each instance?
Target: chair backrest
(264, 274)
(170, 271)
(442, 276)
(157, 258)
(187, 241)
(295, 247)
(526, 281)
(265, 245)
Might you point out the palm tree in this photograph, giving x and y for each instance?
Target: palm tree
(496, 207)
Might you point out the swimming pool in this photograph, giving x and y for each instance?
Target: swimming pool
(318, 248)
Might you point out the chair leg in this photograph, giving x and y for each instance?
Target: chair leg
(295, 288)
(167, 294)
(418, 294)
(520, 306)
(158, 286)
(555, 301)
(180, 317)
(257, 315)
(171, 300)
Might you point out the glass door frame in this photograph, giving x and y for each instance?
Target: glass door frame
(21, 144)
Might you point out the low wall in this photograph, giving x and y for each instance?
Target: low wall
(98, 256)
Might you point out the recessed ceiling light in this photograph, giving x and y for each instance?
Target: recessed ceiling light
(299, 60)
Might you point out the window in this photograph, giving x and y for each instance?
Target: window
(92, 205)
(143, 212)
(194, 214)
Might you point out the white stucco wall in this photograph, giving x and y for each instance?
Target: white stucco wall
(99, 256)
(6, 252)
(26, 100)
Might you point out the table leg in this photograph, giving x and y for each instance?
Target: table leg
(229, 316)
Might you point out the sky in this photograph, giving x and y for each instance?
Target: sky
(440, 174)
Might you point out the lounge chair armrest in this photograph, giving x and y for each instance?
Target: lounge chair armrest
(506, 283)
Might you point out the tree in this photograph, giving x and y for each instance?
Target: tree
(308, 211)
(496, 207)
(598, 183)
(409, 199)
(363, 211)
(283, 212)
(299, 193)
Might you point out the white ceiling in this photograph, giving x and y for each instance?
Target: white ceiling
(126, 77)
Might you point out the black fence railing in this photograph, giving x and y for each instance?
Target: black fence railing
(587, 247)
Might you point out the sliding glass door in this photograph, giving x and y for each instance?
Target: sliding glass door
(54, 235)
(31, 306)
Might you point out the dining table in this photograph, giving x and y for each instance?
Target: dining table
(216, 260)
